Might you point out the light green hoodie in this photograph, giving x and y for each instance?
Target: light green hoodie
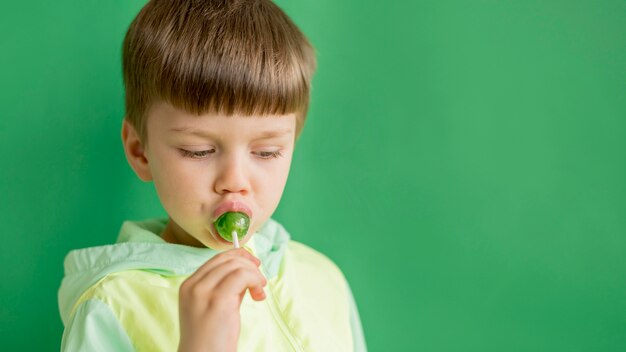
(124, 297)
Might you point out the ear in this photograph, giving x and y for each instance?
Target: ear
(135, 152)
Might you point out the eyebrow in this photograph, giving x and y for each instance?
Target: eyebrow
(188, 130)
(261, 135)
(273, 133)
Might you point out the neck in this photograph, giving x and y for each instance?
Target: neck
(176, 235)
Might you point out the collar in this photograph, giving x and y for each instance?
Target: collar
(268, 244)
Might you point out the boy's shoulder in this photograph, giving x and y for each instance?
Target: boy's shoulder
(316, 297)
(308, 266)
(303, 254)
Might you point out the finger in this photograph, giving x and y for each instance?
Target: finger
(220, 259)
(243, 253)
(235, 252)
(257, 294)
(251, 256)
(218, 273)
(203, 283)
(238, 281)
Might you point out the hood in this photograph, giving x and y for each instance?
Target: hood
(139, 246)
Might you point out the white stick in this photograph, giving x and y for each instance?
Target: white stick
(235, 239)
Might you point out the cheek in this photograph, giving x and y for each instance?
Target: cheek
(273, 182)
(177, 186)
(167, 188)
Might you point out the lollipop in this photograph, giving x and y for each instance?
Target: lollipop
(232, 226)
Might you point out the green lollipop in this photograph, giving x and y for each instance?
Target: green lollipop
(230, 222)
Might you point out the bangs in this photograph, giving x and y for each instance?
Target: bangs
(229, 59)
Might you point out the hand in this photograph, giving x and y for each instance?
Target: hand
(210, 298)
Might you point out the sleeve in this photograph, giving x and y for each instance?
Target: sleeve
(355, 322)
(94, 328)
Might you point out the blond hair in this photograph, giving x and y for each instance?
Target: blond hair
(237, 57)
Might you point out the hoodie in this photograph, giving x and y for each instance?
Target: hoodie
(124, 296)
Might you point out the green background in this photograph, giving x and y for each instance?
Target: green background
(463, 163)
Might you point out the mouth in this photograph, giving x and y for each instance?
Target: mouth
(231, 206)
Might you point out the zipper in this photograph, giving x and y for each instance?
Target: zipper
(270, 299)
(278, 318)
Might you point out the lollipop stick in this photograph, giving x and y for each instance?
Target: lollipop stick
(235, 239)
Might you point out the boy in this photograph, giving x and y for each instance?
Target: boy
(216, 95)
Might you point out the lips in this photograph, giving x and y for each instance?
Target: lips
(231, 206)
(226, 207)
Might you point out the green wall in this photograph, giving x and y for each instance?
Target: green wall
(463, 162)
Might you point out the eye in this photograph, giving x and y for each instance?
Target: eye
(201, 154)
(269, 155)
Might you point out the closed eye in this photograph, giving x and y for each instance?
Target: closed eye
(269, 155)
(201, 154)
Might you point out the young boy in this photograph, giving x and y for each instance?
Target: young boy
(216, 95)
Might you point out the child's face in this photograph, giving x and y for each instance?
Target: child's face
(203, 166)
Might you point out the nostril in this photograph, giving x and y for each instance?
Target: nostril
(232, 176)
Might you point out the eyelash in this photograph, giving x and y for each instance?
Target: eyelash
(196, 155)
(271, 155)
(203, 153)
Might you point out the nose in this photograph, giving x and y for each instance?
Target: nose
(232, 176)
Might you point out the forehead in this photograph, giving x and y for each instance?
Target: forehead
(165, 118)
